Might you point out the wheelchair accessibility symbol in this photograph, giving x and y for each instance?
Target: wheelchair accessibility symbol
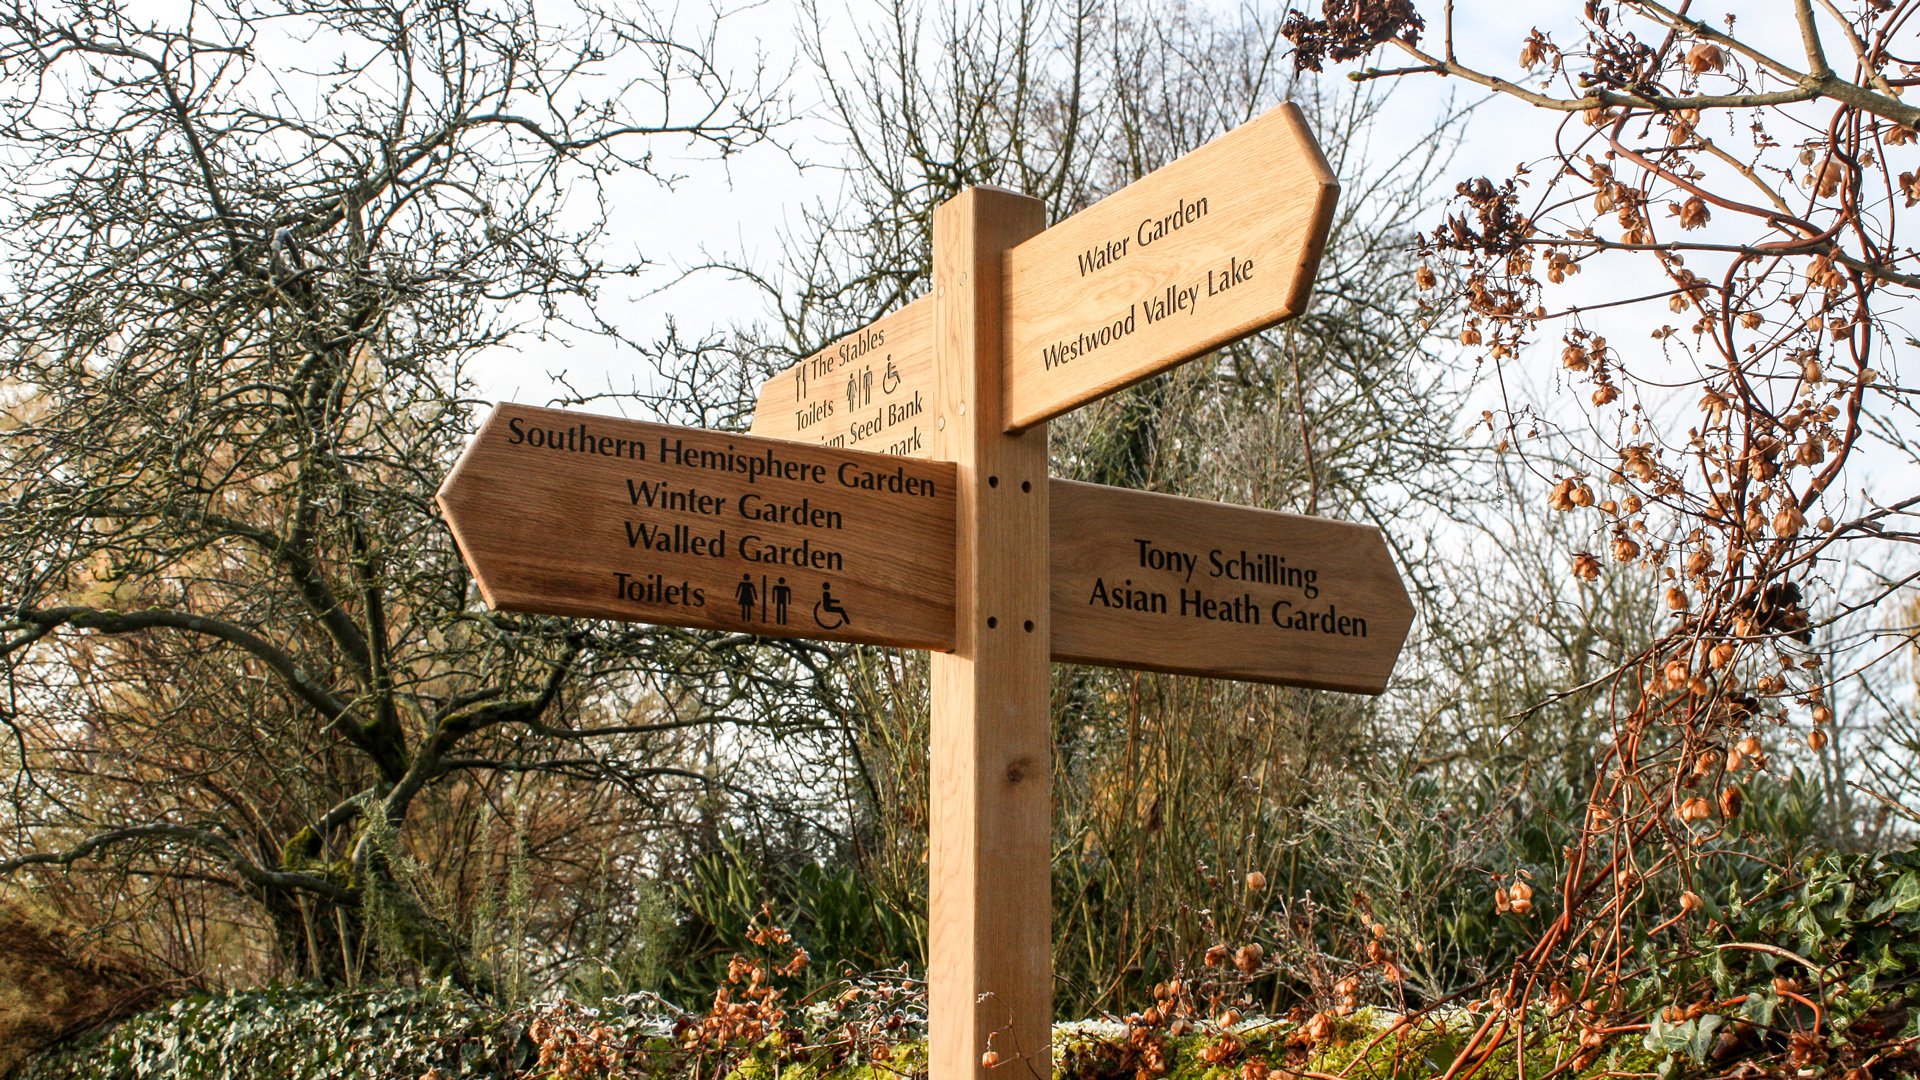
(829, 609)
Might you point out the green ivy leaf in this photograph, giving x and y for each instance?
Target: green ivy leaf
(1663, 1037)
(1704, 1037)
(1903, 897)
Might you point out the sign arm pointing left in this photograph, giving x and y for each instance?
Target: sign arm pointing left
(561, 513)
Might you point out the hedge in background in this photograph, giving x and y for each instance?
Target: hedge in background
(300, 1034)
(56, 980)
(1815, 973)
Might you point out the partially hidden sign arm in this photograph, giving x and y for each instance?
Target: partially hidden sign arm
(871, 390)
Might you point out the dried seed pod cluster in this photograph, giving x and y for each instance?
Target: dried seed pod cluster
(1760, 285)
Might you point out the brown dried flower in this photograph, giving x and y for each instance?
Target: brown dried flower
(1789, 521)
(1827, 179)
(1318, 1027)
(1536, 50)
(1705, 57)
(1731, 800)
(1248, 957)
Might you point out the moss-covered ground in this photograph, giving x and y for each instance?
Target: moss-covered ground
(296, 1034)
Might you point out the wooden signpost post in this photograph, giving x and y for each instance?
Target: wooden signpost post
(975, 553)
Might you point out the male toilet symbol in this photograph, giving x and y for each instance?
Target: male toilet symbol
(781, 597)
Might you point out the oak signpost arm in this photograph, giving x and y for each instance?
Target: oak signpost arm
(990, 982)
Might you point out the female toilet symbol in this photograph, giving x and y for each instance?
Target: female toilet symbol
(748, 596)
(830, 606)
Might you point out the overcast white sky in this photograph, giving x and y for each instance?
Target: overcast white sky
(734, 209)
(737, 209)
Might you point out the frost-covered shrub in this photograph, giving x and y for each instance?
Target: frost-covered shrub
(300, 1034)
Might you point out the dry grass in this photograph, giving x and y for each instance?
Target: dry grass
(55, 982)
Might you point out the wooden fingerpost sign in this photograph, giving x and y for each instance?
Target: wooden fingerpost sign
(974, 552)
(1164, 583)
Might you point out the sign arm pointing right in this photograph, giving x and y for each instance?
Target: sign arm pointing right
(1200, 253)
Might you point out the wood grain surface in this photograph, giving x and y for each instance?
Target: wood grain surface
(871, 390)
(990, 976)
(1164, 583)
(1199, 253)
(565, 513)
